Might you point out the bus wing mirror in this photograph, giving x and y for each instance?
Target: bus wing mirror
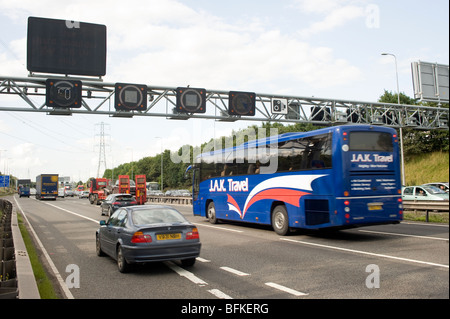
(186, 173)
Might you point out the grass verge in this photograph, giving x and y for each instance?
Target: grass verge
(442, 218)
(44, 283)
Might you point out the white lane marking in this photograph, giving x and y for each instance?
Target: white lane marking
(61, 282)
(366, 253)
(234, 271)
(423, 224)
(404, 235)
(219, 294)
(286, 289)
(70, 212)
(221, 228)
(184, 273)
(203, 260)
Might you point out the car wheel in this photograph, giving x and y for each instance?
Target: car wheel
(121, 262)
(280, 221)
(188, 262)
(211, 213)
(110, 211)
(98, 247)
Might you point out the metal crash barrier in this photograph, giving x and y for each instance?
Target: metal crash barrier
(169, 200)
(427, 207)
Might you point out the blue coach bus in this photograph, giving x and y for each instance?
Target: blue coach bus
(337, 177)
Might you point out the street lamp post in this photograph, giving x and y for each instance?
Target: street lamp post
(401, 121)
(162, 176)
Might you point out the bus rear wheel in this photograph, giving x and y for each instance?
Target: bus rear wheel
(211, 213)
(280, 221)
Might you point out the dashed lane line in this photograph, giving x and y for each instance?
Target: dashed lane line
(196, 280)
(234, 271)
(219, 294)
(286, 289)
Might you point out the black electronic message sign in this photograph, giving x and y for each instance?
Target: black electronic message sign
(63, 93)
(66, 47)
(191, 100)
(241, 103)
(129, 97)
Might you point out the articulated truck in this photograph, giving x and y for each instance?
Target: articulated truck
(47, 186)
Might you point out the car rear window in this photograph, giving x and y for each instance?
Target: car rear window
(124, 198)
(156, 216)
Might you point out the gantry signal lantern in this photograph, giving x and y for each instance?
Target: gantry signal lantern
(241, 103)
(63, 93)
(190, 100)
(130, 97)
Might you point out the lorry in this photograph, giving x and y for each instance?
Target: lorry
(98, 190)
(141, 189)
(47, 186)
(124, 184)
(23, 187)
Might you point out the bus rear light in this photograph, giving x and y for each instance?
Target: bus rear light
(346, 193)
(347, 216)
(347, 203)
(400, 200)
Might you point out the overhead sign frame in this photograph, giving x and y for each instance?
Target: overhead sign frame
(430, 81)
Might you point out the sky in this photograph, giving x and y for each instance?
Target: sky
(322, 48)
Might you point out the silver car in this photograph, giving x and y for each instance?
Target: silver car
(423, 192)
(147, 233)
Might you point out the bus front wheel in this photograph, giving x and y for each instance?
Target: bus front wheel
(211, 213)
(280, 221)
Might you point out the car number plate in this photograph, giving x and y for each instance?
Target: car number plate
(168, 236)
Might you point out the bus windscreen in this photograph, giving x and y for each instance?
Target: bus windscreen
(370, 141)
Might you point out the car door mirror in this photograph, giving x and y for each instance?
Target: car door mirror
(102, 223)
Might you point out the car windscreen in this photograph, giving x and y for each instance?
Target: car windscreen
(434, 190)
(156, 216)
